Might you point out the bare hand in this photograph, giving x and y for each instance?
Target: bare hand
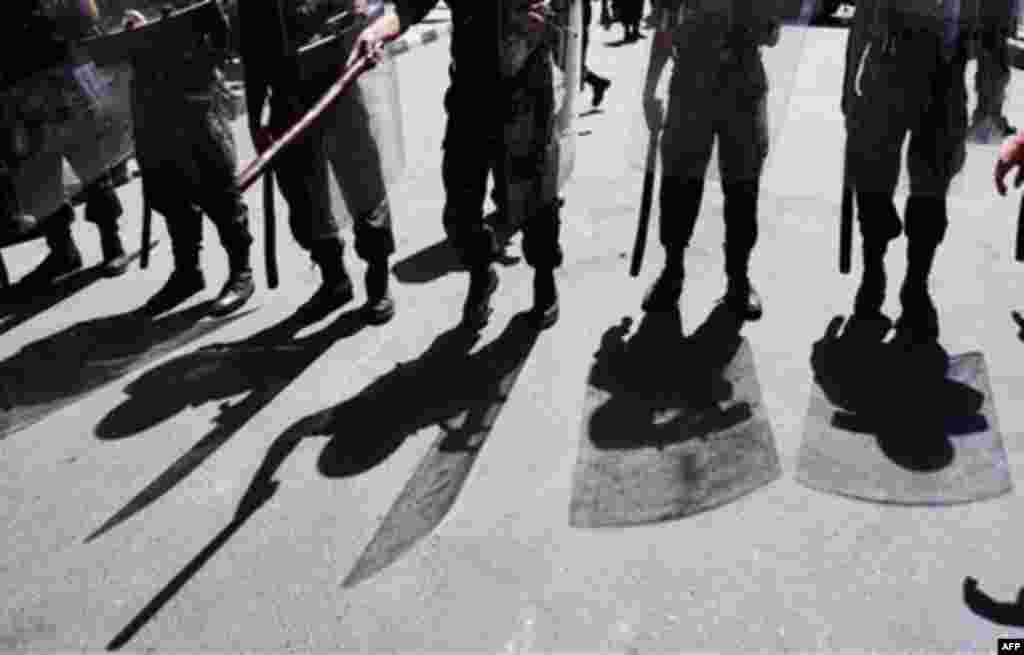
(370, 43)
(1011, 155)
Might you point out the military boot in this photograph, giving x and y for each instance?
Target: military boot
(239, 287)
(186, 280)
(545, 298)
(115, 260)
(336, 289)
(740, 213)
(483, 281)
(664, 294)
(380, 306)
(742, 299)
(870, 296)
(103, 209)
(926, 226)
(64, 257)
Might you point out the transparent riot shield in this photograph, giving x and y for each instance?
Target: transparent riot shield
(539, 67)
(67, 126)
(363, 129)
(717, 82)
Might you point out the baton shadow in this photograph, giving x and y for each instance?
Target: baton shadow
(261, 366)
(666, 388)
(52, 373)
(983, 605)
(897, 394)
(440, 384)
(21, 303)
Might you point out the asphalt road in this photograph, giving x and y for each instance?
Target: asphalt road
(254, 497)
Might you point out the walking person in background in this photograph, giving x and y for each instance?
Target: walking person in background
(992, 77)
(598, 84)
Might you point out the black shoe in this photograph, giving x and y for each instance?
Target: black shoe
(919, 322)
(870, 295)
(330, 297)
(236, 292)
(664, 294)
(477, 309)
(182, 285)
(742, 299)
(115, 260)
(380, 306)
(600, 87)
(545, 299)
(58, 263)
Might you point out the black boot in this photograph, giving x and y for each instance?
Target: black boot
(664, 294)
(926, 220)
(742, 299)
(64, 257)
(483, 281)
(545, 298)
(103, 209)
(380, 306)
(237, 241)
(599, 85)
(180, 286)
(115, 260)
(867, 304)
(741, 200)
(336, 289)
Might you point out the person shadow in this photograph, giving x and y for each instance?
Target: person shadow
(58, 370)
(260, 367)
(463, 394)
(898, 394)
(665, 388)
(439, 259)
(980, 603)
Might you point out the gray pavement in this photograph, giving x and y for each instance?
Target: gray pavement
(229, 523)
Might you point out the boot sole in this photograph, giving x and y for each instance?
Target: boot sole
(218, 309)
(377, 316)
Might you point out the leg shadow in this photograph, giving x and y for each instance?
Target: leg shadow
(900, 396)
(261, 366)
(440, 259)
(54, 372)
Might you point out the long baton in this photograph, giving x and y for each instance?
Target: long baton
(256, 168)
(1020, 232)
(270, 229)
(846, 220)
(147, 227)
(646, 201)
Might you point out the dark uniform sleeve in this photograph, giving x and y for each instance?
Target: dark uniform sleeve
(411, 12)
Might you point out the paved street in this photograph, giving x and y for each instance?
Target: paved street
(365, 488)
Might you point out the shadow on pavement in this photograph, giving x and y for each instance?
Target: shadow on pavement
(21, 304)
(1011, 614)
(261, 366)
(439, 259)
(440, 387)
(661, 375)
(54, 372)
(899, 395)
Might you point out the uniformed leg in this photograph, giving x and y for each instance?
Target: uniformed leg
(926, 218)
(686, 145)
(464, 170)
(216, 158)
(742, 131)
(597, 83)
(357, 166)
(64, 256)
(302, 174)
(543, 252)
(103, 209)
(991, 79)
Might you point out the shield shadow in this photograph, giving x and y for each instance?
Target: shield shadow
(900, 396)
(665, 388)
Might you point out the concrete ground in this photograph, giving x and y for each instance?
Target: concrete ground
(219, 499)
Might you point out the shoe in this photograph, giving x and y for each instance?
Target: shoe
(115, 260)
(60, 262)
(182, 285)
(742, 299)
(600, 88)
(477, 310)
(664, 294)
(380, 306)
(330, 297)
(237, 291)
(545, 299)
(870, 295)
(919, 322)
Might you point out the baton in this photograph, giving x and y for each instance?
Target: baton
(147, 227)
(259, 165)
(269, 229)
(1020, 232)
(646, 200)
(846, 221)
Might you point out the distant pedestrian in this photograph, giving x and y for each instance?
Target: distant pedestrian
(597, 83)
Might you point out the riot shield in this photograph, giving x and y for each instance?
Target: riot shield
(540, 68)
(362, 131)
(733, 66)
(66, 127)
